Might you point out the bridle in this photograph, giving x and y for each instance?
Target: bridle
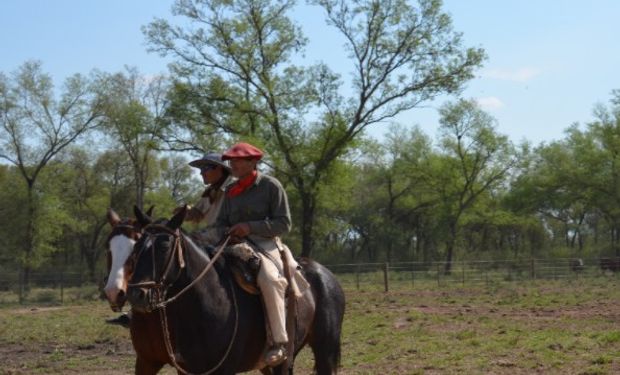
(160, 286)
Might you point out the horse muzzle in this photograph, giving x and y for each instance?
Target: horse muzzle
(116, 298)
(141, 299)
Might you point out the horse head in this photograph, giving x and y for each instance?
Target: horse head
(124, 234)
(156, 261)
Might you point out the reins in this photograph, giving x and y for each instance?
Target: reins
(157, 285)
(219, 251)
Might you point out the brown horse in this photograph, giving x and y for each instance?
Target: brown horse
(145, 329)
(210, 324)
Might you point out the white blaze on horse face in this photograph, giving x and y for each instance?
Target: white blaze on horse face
(120, 248)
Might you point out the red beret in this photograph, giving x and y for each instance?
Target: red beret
(242, 150)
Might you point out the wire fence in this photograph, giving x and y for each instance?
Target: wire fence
(388, 276)
(48, 288)
(60, 288)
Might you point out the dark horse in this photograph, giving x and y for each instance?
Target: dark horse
(209, 323)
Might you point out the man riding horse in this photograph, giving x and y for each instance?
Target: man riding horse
(255, 209)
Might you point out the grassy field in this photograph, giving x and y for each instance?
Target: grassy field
(546, 327)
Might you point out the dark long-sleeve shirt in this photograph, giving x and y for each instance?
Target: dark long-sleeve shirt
(263, 205)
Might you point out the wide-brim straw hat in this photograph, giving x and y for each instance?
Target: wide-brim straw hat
(212, 158)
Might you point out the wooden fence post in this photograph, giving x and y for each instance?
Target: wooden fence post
(20, 281)
(62, 288)
(385, 276)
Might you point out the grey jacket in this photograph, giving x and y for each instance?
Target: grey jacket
(264, 206)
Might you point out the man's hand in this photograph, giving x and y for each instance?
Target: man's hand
(239, 230)
(177, 209)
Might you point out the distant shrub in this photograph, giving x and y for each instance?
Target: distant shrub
(87, 292)
(46, 296)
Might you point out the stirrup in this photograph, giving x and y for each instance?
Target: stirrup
(276, 355)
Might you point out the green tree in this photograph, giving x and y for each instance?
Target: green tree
(476, 160)
(236, 55)
(596, 177)
(133, 119)
(13, 199)
(84, 198)
(34, 127)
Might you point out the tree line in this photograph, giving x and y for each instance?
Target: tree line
(119, 139)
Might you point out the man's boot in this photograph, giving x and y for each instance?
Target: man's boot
(122, 320)
(276, 355)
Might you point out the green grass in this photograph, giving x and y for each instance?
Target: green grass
(550, 327)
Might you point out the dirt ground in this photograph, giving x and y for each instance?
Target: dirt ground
(116, 355)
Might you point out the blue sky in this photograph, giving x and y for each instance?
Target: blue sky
(549, 61)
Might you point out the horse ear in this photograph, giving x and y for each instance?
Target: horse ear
(149, 212)
(143, 219)
(113, 217)
(178, 218)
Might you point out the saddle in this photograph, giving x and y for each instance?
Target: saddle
(244, 265)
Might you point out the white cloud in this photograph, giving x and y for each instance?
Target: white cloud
(516, 75)
(490, 103)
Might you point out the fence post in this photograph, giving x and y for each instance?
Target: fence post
(20, 282)
(532, 269)
(385, 276)
(413, 275)
(438, 276)
(62, 288)
(463, 272)
(357, 277)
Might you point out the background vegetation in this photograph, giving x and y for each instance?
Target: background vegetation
(116, 139)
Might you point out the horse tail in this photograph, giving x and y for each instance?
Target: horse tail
(327, 327)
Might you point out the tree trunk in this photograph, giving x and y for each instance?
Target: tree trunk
(92, 253)
(307, 224)
(449, 252)
(616, 236)
(29, 249)
(450, 249)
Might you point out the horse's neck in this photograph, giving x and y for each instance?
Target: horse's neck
(211, 295)
(196, 261)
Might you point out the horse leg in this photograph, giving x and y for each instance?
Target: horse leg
(147, 368)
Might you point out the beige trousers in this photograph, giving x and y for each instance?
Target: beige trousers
(272, 285)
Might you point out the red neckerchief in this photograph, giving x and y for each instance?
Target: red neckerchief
(242, 185)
